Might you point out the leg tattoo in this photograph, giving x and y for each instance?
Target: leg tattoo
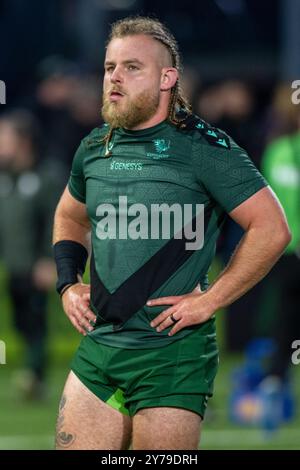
(63, 439)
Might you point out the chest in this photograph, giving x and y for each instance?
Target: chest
(151, 172)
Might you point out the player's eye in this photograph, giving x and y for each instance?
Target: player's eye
(132, 67)
(109, 68)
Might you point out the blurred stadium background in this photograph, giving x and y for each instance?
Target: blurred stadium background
(240, 58)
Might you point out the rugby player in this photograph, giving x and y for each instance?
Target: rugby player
(146, 365)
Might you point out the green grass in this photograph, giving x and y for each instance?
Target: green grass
(220, 433)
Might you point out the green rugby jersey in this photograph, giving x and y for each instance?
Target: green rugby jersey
(198, 164)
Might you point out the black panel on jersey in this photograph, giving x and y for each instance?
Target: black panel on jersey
(133, 294)
(211, 134)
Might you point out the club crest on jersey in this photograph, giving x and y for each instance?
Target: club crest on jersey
(161, 146)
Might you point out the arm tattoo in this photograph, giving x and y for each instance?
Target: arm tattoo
(63, 439)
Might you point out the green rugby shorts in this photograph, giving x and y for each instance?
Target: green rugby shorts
(179, 375)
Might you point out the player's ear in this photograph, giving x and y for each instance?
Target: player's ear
(169, 76)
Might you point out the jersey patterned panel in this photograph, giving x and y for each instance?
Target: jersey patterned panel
(197, 167)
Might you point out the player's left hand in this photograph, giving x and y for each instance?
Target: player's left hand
(186, 310)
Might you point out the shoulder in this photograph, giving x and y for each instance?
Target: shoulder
(87, 144)
(205, 134)
(95, 137)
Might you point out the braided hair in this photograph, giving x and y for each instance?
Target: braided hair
(154, 28)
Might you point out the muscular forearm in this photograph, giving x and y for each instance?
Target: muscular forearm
(254, 257)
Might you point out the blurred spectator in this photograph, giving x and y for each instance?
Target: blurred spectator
(231, 105)
(28, 195)
(68, 103)
(281, 167)
(209, 104)
(282, 117)
(190, 83)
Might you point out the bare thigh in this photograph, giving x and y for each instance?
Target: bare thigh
(166, 428)
(86, 422)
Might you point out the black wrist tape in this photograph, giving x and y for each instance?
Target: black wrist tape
(70, 258)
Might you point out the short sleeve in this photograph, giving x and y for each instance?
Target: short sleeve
(76, 182)
(228, 174)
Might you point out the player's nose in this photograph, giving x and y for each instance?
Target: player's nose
(116, 76)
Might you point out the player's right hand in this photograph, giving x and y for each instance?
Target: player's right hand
(76, 301)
